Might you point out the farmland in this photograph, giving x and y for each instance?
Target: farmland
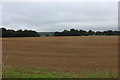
(70, 54)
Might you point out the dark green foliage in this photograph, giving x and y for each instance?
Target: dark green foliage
(74, 32)
(82, 32)
(18, 33)
(57, 34)
(47, 35)
(90, 32)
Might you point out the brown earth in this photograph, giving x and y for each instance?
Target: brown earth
(75, 54)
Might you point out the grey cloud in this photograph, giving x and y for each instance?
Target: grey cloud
(53, 16)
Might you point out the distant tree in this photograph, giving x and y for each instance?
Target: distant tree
(83, 32)
(109, 32)
(74, 32)
(5, 33)
(57, 34)
(47, 35)
(18, 33)
(90, 32)
(65, 33)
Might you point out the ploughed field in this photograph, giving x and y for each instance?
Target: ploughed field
(70, 53)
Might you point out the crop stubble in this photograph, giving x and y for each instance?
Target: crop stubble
(71, 53)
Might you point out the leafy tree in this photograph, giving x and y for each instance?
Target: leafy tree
(57, 34)
(74, 32)
(18, 33)
(90, 32)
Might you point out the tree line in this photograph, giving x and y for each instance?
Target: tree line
(18, 33)
(74, 32)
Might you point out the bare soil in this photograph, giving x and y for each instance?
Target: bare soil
(71, 53)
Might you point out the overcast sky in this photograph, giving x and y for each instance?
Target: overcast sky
(58, 16)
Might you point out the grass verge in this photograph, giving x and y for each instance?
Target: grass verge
(50, 73)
